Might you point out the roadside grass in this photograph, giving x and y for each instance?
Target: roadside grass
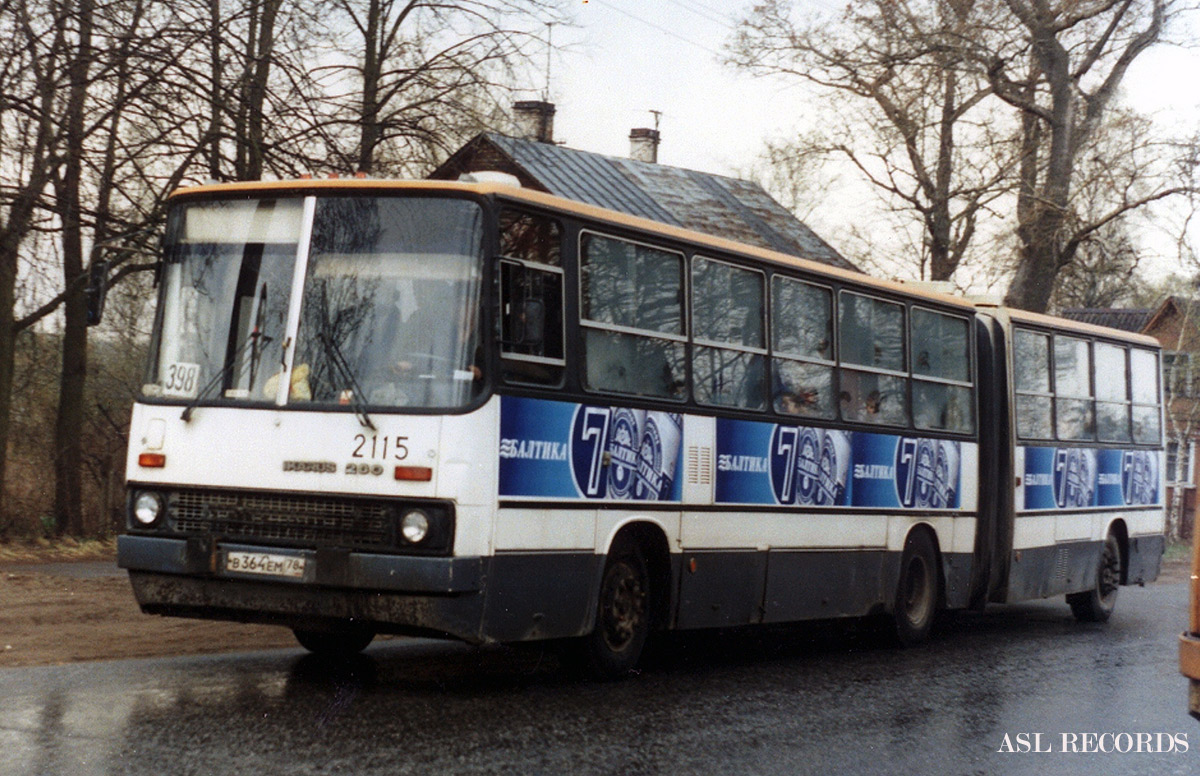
(1178, 552)
(55, 550)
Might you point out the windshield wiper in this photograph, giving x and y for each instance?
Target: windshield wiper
(256, 341)
(338, 359)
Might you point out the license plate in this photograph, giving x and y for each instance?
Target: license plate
(265, 563)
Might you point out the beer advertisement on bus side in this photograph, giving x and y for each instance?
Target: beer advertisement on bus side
(566, 450)
(1080, 477)
(771, 463)
(551, 449)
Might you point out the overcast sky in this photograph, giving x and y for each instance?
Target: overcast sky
(627, 58)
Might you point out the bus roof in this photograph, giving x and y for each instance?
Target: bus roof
(1049, 321)
(515, 193)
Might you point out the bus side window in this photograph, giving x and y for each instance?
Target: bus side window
(1031, 379)
(942, 385)
(1112, 394)
(802, 346)
(531, 299)
(631, 312)
(874, 379)
(729, 359)
(1074, 413)
(1147, 414)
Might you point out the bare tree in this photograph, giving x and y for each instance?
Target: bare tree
(898, 71)
(1122, 161)
(972, 100)
(1072, 60)
(31, 52)
(418, 77)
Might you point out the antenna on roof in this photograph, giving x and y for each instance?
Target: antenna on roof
(549, 48)
(657, 115)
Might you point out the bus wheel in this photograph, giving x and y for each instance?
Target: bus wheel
(343, 642)
(1097, 604)
(615, 645)
(917, 591)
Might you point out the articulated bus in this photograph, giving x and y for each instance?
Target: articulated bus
(475, 411)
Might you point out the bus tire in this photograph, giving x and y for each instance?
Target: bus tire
(341, 643)
(1097, 604)
(917, 590)
(614, 647)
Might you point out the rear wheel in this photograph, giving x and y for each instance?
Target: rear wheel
(917, 591)
(342, 642)
(1097, 604)
(615, 645)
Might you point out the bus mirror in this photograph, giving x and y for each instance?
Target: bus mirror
(533, 319)
(95, 291)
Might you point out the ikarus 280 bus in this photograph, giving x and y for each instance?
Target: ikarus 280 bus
(481, 412)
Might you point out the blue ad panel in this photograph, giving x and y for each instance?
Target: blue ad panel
(552, 449)
(767, 463)
(1078, 478)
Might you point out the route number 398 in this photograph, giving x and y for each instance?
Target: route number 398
(181, 379)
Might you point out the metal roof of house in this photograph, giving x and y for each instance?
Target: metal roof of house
(1134, 320)
(714, 204)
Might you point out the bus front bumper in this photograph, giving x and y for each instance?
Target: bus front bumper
(317, 588)
(1189, 666)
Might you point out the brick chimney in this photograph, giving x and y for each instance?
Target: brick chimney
(535, 120)
(643, 145)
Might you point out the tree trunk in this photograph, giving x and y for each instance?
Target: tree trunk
(369, 117)
(215, 108)
(68, 459)
(8, 335)
(259, 74)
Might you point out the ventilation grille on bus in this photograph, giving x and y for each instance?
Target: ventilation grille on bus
(699, 465)
(310, 521)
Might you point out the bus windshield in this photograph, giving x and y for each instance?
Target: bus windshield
(388, 315)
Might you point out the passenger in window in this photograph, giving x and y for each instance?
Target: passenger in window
(805, 401)
(802, 389)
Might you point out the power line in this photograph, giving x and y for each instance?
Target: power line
(703, 12)
(660, 29)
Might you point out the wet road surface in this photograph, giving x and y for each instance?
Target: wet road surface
(805, 700)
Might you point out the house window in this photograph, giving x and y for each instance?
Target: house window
(1180, 457)
(1178, 380)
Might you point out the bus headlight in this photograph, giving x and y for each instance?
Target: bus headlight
(414, 526)
(147, 509)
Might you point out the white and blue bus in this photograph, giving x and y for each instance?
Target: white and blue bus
(477, 411)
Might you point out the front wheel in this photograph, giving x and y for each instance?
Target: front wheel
(1097, 604)
(615, 645)
(341, 643)
(917, 591)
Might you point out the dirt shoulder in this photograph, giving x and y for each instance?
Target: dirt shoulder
(47, 619)
(50, 617)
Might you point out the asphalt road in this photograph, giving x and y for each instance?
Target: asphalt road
(805, 700)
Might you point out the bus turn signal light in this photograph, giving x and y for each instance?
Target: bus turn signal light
(414, 473)
(152, 460)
